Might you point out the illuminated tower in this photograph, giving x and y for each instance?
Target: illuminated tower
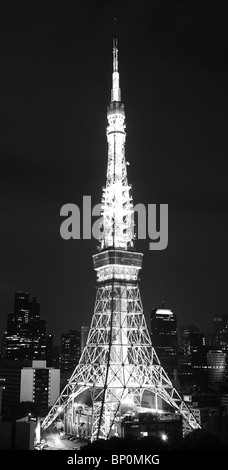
(118, 364)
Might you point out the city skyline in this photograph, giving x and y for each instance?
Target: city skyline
(56, 83)
(160, 308)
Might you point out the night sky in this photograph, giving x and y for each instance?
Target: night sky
(55, 81)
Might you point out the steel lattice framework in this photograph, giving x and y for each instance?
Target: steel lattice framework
(118, 363)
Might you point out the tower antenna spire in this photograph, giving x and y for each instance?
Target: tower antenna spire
(115, 93)
(115, 49)
(115, 20)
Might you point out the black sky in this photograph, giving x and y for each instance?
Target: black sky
(54, 89)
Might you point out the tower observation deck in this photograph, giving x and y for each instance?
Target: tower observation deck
(118, 364)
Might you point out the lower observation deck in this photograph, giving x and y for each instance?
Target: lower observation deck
(117, 264)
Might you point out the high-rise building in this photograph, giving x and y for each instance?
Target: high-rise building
(56, 356)
(164, 338)
(28, 381)
(216, 366)
(192, 356)
(220, 336)
(26, 337)
(221, 332)
(70, 349)
(2, 384)
(190, 338)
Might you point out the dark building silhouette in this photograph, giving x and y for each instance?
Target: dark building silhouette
(164, 338)
(188, 338)
(216, 366)
(221, 332)
(17, 434)
(70, 350)
(192, 357)
(167, 426)
(25, 338)
(56, 357)
(220, 336)
(2, 384)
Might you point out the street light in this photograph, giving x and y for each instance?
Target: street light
(164, 437)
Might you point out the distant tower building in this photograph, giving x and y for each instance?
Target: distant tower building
(25, 338)
(216, 365)
(30, 381)
(221, 332)
(164, 338)
(70, 350)
(56, 356)
(192, 357)
(220, 337)
(189, 338)
(2, 384)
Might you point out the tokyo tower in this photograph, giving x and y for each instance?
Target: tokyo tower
(118, 364)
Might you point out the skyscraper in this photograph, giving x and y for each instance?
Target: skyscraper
(70, 350)
(216, 363)
(190, 338)
(2, 384)
(26, 337)
(221, 332)
(192, 357)
(164, 338)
